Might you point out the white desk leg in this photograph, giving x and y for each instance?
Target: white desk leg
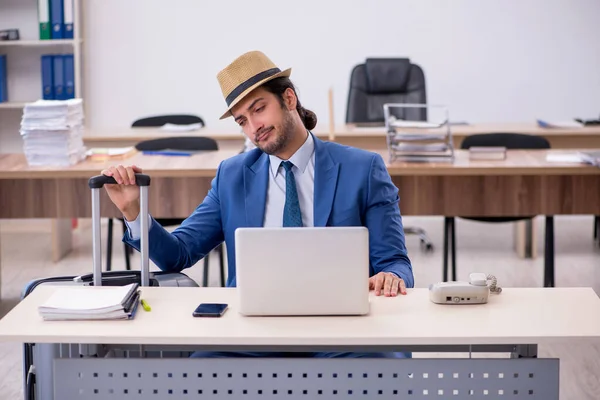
(62, 238)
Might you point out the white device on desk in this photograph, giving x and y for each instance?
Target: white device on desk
(302, 271)
(476, 291)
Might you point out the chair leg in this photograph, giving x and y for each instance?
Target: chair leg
(446, 234)
(222, 264)
(549, 253)
(453, 248)
(205, 272)
(126, 250)
(109, 245)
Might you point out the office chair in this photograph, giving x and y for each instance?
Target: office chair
(160, 120)
(510, 141)
(387, 80)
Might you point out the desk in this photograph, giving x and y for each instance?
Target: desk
(559, 138)
(515, 322)
(523, 184)
(372, 138)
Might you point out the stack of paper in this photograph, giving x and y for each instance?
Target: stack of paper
(419, 141)
(52, 132)
(110, 153)
(591, 157)
(91, 303)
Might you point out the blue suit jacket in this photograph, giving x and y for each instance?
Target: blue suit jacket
(352, 188)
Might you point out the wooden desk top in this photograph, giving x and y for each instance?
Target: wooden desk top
(466, 130)
(516, 316)
(518, 162)
(91, 137)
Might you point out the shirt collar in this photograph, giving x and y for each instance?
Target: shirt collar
(300, 158)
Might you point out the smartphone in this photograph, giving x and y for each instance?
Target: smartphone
(210, 310)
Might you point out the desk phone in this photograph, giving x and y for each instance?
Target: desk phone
(476, 291)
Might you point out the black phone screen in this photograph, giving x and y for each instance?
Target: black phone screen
(210, 310)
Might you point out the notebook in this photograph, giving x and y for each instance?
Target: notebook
(91, 303)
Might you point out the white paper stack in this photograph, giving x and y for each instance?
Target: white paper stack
(91, 303)
(52, 132)
(419, 141)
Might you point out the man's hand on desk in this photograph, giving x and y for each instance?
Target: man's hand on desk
(125, 195)
(387, 284)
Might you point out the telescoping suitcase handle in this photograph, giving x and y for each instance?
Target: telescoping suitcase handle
(96, 183)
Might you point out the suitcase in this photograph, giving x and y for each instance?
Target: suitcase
(109, 278)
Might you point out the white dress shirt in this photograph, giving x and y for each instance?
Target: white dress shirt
(304, 174)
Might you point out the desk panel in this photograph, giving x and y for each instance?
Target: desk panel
(494, 196)
(419, 195)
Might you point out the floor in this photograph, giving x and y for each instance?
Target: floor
(481, 247)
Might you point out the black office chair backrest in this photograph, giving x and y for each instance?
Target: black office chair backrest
(517, 141)
(183, 143)
(160, 120)
(385, 80)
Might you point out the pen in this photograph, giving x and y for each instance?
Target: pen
(145, 305)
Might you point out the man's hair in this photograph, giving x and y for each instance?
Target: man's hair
(278, 86)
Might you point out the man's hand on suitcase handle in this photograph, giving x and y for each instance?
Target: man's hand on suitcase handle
(125, 195)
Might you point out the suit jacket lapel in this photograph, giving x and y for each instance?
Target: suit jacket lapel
(326, 173)
(256, 179)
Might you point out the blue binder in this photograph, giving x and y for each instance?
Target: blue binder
(59, 78)
(57, 19)
(3, 80)
(69, 75)
(68, 17)
(48, 77)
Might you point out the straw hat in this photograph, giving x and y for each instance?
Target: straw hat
(244, 74)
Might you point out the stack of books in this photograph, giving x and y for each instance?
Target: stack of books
(487, 153)
(52, 132)
(91, 303)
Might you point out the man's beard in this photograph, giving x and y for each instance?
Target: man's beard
(278, 143)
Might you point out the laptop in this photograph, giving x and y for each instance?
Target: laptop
(302, 271)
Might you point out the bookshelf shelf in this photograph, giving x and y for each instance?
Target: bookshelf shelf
(39, 43)
(12, 105)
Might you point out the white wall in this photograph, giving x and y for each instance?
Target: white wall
(490, 61)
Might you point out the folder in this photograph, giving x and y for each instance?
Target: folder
(48, 77)
(59, 78)
(44, 19)
(68, 19)
(57, 19)
(69, 75)
(3, 80)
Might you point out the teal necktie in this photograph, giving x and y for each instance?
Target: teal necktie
(291, 211)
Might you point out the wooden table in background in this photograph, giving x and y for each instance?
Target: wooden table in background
(523, 184)
(372, 138)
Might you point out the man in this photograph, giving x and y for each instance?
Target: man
(290, 179)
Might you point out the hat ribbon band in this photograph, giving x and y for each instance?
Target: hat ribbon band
(249, 82)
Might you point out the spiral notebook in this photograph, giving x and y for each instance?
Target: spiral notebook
(91, 303)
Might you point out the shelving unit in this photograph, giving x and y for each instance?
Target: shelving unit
(23, 56)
